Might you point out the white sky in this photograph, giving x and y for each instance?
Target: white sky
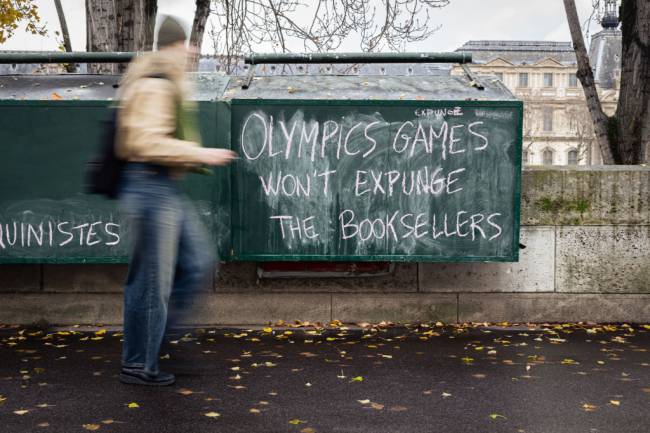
(461, 21)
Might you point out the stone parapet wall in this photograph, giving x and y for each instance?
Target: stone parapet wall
(587, 257)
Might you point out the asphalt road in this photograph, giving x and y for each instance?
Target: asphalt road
(546, 379)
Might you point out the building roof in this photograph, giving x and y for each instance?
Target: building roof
(520, 52)
(605, 57)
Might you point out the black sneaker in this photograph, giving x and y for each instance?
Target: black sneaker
(140, 377)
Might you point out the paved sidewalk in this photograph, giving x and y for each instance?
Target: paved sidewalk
(546, 379)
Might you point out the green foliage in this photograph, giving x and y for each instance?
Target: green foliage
(14, 12)
(548, 204)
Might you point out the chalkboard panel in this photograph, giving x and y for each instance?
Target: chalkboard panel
(376, 180)
(45, 215)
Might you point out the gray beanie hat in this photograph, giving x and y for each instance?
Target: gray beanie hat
(170, 32)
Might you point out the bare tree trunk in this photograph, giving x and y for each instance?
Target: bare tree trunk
(198, 29)
(633, 111)
(125, 21)
(586, 76)
(64, 33)
(119, 25)
(145, 23)
(101, 28)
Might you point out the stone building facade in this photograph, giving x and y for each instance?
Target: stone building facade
(557, 126)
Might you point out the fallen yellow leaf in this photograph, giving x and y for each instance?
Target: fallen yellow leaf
(185, 391)
(21, 412)
(212, 414)
(357, 379)
(494, 416)
(253, 410)
(615, 402)
(589, 407)
(91, 427)
(308, 430)
(296, 421)
(133, 405)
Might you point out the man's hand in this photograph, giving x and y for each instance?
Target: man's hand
(218, 156)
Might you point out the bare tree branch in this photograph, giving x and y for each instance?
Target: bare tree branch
(239, 26)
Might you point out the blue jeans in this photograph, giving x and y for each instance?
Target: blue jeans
(172, 258)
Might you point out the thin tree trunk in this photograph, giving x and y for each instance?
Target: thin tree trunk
(64, 33)
(586, 76)
(198, 29)
(633, 111)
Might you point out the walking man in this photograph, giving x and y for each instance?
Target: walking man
(171, 254)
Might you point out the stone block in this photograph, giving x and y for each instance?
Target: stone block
(605, 259)
(403, 308)
(261, 308)
(89, 278)
(585, 195)
(552, 307)
(533, 273)
(20, 278)
(61, 309)
(209, 309)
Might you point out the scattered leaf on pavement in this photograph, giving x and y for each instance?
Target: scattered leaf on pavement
(296, 421)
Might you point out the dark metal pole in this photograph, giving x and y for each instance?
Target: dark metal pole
(458, 57)
(252, 59)
(64, 57)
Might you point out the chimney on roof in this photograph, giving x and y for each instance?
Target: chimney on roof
(610, 17)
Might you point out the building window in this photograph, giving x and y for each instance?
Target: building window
(499, 76)
(548, 79)
(547, 157)
(523, 79)
(572, 157)
(573, 80)
(526, 157)
(548, 120)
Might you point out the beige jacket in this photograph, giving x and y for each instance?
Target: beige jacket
(148, 110)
